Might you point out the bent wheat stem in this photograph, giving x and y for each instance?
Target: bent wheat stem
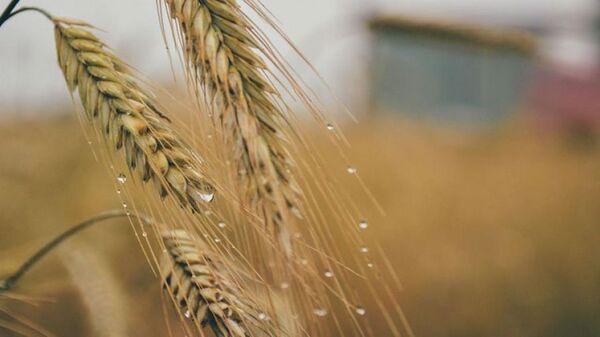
(10, 282)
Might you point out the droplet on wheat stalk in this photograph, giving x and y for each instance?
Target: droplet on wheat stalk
(221, 224)
(328, 274)
(121, 178)
(321, 312)
(360, 310)
(330, 127)
(351, 169)
(363, 224)
(187, 314)
(364, 249)
(263, 317)
(204, 196)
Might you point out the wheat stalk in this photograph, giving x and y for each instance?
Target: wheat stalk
(127, 116)
(222, 52)
(201, 285)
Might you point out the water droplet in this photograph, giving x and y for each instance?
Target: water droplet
(363, 224)
(263, 317)
(304, 261)
(203, 196)
(364, 249)
(221, 224)
(128, 213)
(90, 142)
(360, 310)
(370, 265)
(217, 240)
(187, 314)
(124, 205)
(284, 285)
(321, 312)
(351, 169)
(121, 178)
(330, 127)
(118, 191)
(328, 273)
(297, 235)
(144, 234)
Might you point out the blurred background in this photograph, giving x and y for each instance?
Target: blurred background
(477, 131)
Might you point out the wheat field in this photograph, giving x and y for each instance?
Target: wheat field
(491, 234)
(216, 207)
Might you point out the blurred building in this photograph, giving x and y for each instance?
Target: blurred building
(449, 71)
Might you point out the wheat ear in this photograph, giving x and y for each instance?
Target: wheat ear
(127, 116)
(202, 286)
(222, 52)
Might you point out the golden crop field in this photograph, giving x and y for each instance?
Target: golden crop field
(491, 234)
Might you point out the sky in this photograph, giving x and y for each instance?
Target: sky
(329, 32)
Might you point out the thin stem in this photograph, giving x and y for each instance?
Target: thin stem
(8, 283)
(7, 11)
(7, 15)
(35, 9)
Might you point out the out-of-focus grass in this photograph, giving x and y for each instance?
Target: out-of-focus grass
(492, 235)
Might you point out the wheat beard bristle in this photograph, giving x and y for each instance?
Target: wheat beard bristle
(202, 288)
(128, 117)
(221, 51)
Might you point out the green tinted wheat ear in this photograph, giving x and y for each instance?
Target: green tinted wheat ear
(205, 291)
(126, 116)
(224, 56)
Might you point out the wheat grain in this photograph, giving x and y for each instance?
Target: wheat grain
(127, 116)
(201, 286)
(222, 52)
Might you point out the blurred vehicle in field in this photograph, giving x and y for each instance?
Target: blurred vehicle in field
(567, 98)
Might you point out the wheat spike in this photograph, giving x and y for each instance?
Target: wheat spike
(202, 287)
(127, 116)
(223, 55)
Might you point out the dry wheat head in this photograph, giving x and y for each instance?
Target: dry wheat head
(223, 54)
(126, 116)
(204, 289)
